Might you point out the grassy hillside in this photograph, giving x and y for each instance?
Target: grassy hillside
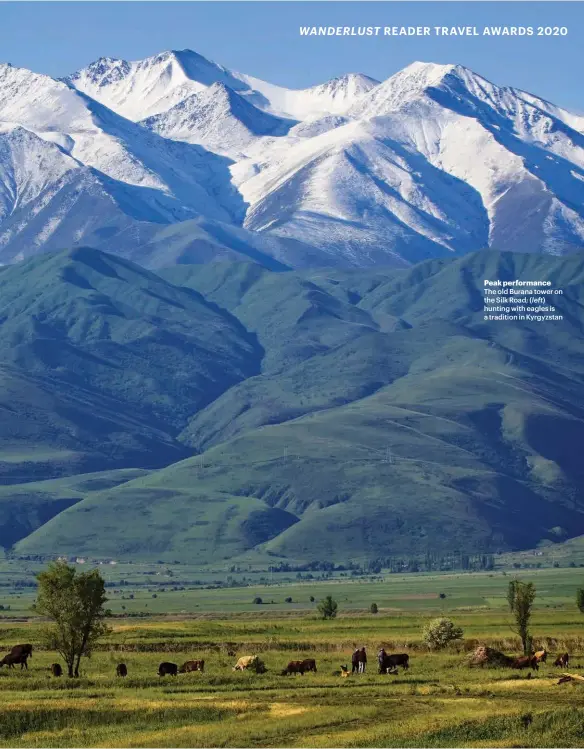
(366, 414)
(103, 363)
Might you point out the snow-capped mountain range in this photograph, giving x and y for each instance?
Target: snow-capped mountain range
(177, 159)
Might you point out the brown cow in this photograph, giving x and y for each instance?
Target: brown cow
(293, 667)
(121, 669)
(56, 669)
(525, 661)
(300, 667)
(10, 660)
(562, 660)
(541, 656)
(188, 666)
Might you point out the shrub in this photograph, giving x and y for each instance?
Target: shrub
(327, 608)
(289, 600)
(311, 599)
(580, 599)
(374, 608)
(440, 632)
(257, 600)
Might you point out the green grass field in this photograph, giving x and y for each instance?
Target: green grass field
(440, 701)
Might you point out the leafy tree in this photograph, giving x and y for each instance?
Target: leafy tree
(327, 608)
(522, 603)
(289, 599)
(440, 632)
(257, 600)
(374, 608)
(311, 599)
(74, 603)
(580, 599)
(442, 596)
(511, 594)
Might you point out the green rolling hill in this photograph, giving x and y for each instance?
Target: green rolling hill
(303, 416)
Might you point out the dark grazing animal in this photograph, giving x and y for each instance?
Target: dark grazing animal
(294, 667)
(300, 667)
(390, 662)
(121, 669)
(22, 650)
(188, 666)
(525, 661)
(10, 660)
(309, 664)
(562, 660)
(56, 669)
(167, 669)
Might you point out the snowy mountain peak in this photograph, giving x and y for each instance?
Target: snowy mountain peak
(218, 118)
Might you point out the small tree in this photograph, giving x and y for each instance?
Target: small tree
(524, 595)
(74, 602)
(440, 632)
(511, 594)
(311, 599)
(580, 599)
(374, 608)
(289, 599)
(327, 608)
(258, 600)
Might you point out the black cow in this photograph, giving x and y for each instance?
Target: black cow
(390, 662)
(22, 650)
(56, 669)
(10, 660)
(167, 669)
(121, 669)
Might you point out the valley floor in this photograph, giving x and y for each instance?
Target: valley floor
(439, 702)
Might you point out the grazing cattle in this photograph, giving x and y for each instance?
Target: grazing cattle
(189, 666)
(10, 660)
(390, 662)
(121, 669)
(300, 667)
(525, 661)
(309, 664)
(56, 669)
(294, 667)
(251, 662)
(167, 669)
(541, 656)
(562, 660)
(22, 650)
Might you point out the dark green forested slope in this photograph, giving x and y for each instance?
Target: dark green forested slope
(320, 415)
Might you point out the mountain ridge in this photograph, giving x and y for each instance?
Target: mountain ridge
(300, 415)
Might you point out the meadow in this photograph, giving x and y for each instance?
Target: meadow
(439, 702)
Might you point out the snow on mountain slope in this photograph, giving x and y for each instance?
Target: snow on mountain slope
(378, 187)
(144, 88)
(218, 118)
(175, 159)
(148, 178)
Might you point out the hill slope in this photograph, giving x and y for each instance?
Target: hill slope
(386, 417)
(104, 362)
